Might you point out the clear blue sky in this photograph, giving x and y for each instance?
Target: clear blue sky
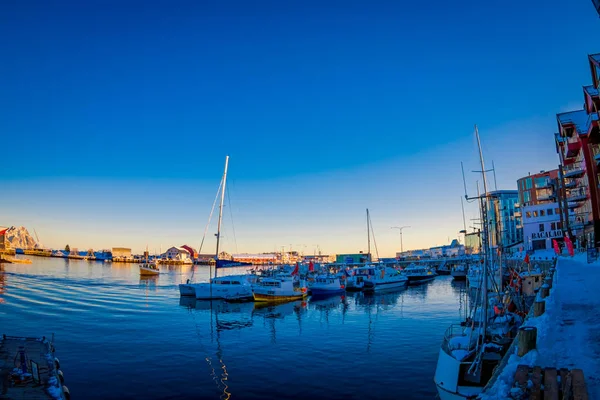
(116, 118)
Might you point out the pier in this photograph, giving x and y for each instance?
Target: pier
(566, 342)
(29, 370)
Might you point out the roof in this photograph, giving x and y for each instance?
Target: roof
(591, 91)
(579, 118)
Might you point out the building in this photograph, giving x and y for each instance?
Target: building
(578, 146)
(539, 188)
(473, 242)
(541, 224)
(121, 252)
(504, 219)
(359, 258)
(178, 254)
(454, 249)
(256, 259)
(3, 241)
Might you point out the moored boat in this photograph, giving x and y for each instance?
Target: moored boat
(459, 272)
(417, 274)
(232, 287)
(443, 269)
(277, 290)
(148, 269)
(325, 285)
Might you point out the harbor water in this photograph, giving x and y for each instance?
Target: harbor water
(121, 336)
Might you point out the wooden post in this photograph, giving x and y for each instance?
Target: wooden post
(579, 388)
(550, 384)
(545, 291)
(538, 308)
(526, 340)
(548, 281)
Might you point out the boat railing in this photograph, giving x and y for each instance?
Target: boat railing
(452, 338)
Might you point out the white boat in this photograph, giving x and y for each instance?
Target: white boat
(459, 272)
(417, 274)
(232, 287)
(324, 285)
(278, 290)
(375, 277)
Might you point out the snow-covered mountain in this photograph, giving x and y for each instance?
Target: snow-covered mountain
(19, 238)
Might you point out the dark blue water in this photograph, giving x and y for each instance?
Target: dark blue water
(118, 336)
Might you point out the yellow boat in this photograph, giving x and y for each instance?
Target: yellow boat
(278, 290)
(11, 260)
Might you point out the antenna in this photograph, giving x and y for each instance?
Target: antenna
(464, 182)
(494, 169)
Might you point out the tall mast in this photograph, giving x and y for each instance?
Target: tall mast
(221, 211)
(486, 238)
(368, 237)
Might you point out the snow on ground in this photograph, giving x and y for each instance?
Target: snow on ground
(568, 332)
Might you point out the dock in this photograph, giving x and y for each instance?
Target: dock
(29, 370)
(563, 331)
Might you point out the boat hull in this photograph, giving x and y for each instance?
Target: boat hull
(277, 299)
(326, 292)
(417, 280)
(459, 276)
(381, 286)
(148, 272)
(187, 290)
(443, 272)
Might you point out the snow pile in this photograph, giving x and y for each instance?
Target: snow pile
(54, 389)
(568, 331)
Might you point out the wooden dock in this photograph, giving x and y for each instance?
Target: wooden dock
(17, 384)
(539, 383)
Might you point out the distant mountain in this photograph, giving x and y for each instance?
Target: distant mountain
(19, 238)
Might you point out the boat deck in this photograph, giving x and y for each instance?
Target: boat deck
(38, 350)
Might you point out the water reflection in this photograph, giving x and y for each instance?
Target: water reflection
(2, 283)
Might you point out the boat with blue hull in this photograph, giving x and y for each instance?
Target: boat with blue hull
(327, 285)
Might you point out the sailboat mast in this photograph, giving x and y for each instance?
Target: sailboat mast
(221, 213)
(486, 238)
(368, 237)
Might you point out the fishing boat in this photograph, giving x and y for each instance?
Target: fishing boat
(325, 285)
(418, 274)
(476, 273)
(471, 350)
(278, 290)
(459, 272)
(148, 269)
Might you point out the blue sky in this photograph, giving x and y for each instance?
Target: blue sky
(116, 119)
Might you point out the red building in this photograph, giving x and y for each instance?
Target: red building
(538, 188)
(578, 146)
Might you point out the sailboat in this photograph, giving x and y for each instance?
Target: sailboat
(235, 287)
(471, 350)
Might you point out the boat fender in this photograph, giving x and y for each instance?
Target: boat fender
(66, 392)
(56, 363)
(61, 377)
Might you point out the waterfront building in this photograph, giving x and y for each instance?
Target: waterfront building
(359, 258)
(121, 252)
(454, 249)
(473, 242)
(3, 246)
(259, 259)
(541, 224)
(178, 254)
(540, 188)
(578, 146)
(505, 227)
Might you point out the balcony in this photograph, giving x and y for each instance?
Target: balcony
(547, 183)
(577, 195)
(574, 170)
(578, 221)
(546, 196)
(573, 148)
(570, 183)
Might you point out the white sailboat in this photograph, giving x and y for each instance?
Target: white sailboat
(236, 287)
(470, 351)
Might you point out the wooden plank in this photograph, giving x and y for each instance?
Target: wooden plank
(567, 392)
(536, 378)
(550, 384)
(579, 389)
(521, 375)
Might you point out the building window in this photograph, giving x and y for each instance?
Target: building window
(553, 226)
(528, 183)
(528, 214)
(557, 211)
(542, 213)
(541, 227)
(526, 197)
(558, 225)
(550, 211)
(535, 213)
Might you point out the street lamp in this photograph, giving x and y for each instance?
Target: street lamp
(400, 229)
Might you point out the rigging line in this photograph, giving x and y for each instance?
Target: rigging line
(212, 210)
(373, 234)
(232, 225)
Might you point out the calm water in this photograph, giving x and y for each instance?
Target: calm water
(120, 336)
